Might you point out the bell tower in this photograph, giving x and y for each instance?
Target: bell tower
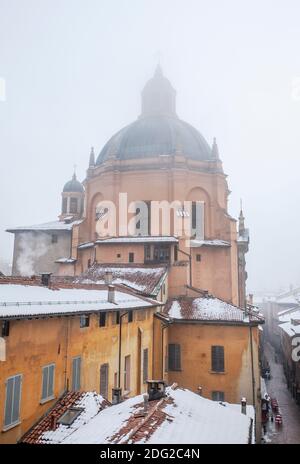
(72, 199)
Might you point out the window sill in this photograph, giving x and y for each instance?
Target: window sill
(218, 373)
(45, 400)
(11, 426)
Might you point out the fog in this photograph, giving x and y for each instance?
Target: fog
(74, 71)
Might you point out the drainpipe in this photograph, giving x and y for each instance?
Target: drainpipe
(252, 368)
(120, 347)
(190, 262)
(164, 326)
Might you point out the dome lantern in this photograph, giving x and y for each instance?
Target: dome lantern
(158, 96)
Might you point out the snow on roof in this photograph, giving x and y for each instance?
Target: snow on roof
(89, 404)
(204, 308)
(291, 299)
(290, 329)
(292, 309)
(66, 260)
(55, 225)
(288, 315)
(212, 243)
(137, 239)
(144, 279)
(86, 245)
(30, 300)
(181, 418)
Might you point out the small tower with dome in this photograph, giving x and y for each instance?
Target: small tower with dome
(72, 199)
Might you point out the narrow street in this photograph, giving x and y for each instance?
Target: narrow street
(289, 431)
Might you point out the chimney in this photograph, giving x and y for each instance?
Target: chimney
(199, 391)
(243, 406)
(108, 277)
(53, 422)
(111, 298)
(46, 279)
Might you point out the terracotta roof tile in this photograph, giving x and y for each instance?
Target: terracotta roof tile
(141, 278)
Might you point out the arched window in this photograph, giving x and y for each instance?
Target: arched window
(73, 205)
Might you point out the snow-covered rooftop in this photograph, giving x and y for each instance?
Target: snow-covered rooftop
(90, 403)
(66, 260)
(183, 417)
(286, 316)
(145, 279)
(29, 300)
(290, 329)
(211, 243)
(204, 308)
(47, 226)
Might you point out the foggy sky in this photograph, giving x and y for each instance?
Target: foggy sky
(74, 71)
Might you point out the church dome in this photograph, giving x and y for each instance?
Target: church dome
(158, 131)
(73, 186)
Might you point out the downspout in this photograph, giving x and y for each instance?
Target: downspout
(66, 383)
(190, 262)
(120, 348)
(252, 369)
(162, 350)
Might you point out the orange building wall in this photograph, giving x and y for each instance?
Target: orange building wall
(196, 341)
(36, 343)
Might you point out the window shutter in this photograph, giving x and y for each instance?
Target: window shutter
(9, 401)
(50, 380)
(104, 380)
(217, 358)
(145, 365)
(12, 401)
(177, 357)
(16, 398)
(45, 382)
(174, 357)
(76, 373)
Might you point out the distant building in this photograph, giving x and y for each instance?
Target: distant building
(43, 247)
(289, 327)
